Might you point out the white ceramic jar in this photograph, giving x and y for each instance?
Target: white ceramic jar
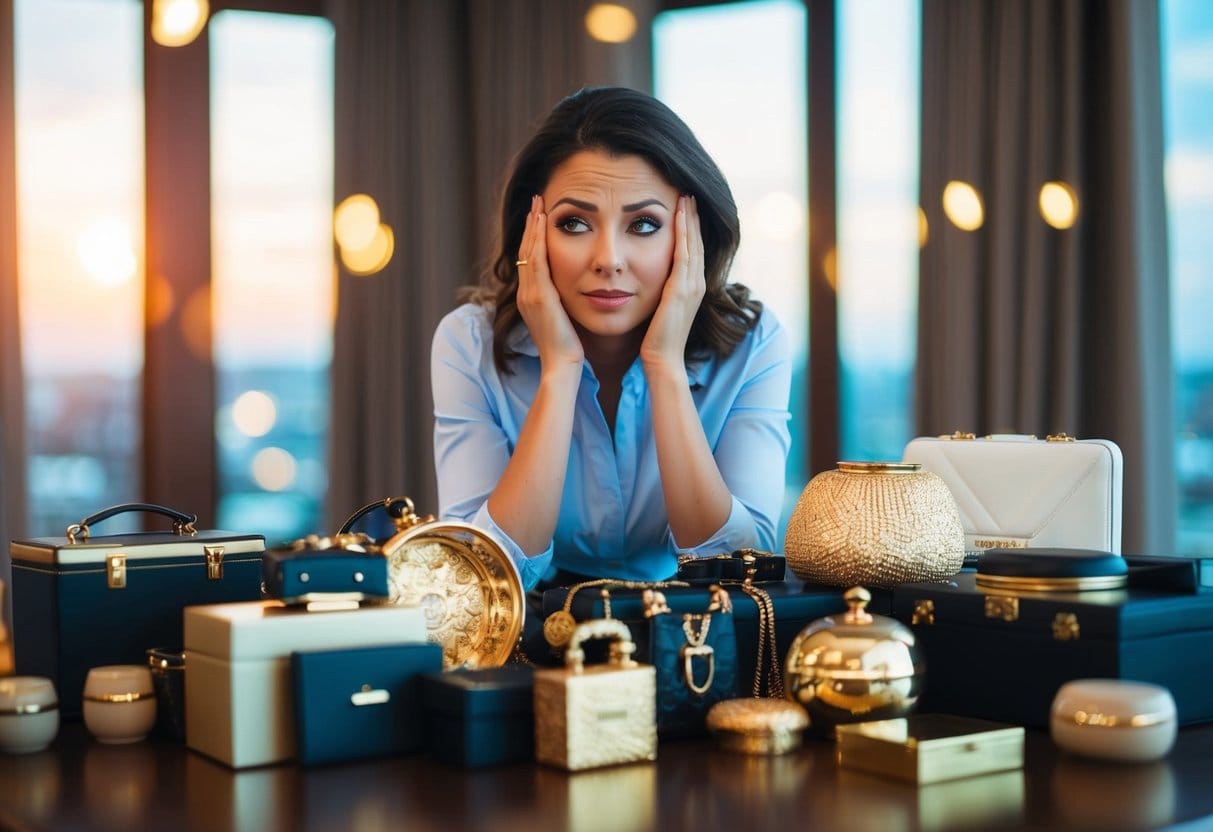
(1114, 719)
(29, 714)
(119, 702)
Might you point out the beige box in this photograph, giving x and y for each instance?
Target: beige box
(929, 748)
(598, 715)
(239, 709)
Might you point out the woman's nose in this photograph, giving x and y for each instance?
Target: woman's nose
(607, 256)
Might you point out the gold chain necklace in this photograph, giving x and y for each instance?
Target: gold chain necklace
(768, 648)
(558, 627)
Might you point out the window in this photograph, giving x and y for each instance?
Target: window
(272, 196)
(878, 224)
(81, 114)
(1187, 50)
(79, 135)
(752, 56)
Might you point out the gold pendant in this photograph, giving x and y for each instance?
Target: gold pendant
(558, 628)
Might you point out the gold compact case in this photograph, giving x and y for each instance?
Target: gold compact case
(463, 581)
(758, 726)
(854, 667)
(929, 748)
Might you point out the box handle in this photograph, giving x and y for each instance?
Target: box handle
(399, 509)
(183, 524)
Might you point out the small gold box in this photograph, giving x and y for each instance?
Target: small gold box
(928, 748)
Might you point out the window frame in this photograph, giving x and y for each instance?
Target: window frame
(180, 451)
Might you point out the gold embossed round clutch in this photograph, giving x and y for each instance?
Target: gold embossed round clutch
(461, 578)
(875, 523)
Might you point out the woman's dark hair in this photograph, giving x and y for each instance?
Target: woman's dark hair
(624, 122)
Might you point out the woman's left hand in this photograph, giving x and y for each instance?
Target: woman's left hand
(666, 339)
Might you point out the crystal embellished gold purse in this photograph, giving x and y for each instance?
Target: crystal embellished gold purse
(875, 523)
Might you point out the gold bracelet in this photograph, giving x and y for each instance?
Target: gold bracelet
(558, 627)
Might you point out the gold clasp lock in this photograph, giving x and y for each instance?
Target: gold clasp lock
(1060, 437)
(214, 562)
(1005, 607)
(924, 612)
(115, 570)
(1065, 627)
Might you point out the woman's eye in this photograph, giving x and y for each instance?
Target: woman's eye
(573, 225)
(644, 226)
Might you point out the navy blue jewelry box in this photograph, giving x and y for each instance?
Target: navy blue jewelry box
(89, 600)
(796, 605)
(353, 704)
(482, 717)
(1003, 654)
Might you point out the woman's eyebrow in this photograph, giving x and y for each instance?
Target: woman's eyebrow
(592, 208)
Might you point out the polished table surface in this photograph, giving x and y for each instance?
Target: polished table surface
(81, 784)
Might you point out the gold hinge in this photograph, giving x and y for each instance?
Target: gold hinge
(115, 571)
(1065, 627)
(214, 562)
(924, 612)
(959, 435)
(1005, 607)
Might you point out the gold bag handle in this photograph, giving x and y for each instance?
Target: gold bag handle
(622, 646)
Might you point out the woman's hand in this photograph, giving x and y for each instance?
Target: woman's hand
(538, 301)
(665, 342)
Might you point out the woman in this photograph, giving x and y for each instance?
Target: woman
(606, 403)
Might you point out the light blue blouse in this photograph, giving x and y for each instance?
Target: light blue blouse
(612, 520)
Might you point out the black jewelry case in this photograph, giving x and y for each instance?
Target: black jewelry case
(995, 651)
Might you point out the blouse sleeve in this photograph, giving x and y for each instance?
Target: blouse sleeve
(471, 445)
(752, 450)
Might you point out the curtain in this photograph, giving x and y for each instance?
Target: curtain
(12, 400)
(432, 100)
(1023, 327)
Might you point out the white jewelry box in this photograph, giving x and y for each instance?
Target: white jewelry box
(238, 704)
(1017, 491)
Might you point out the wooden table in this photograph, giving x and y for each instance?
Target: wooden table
(80, 784)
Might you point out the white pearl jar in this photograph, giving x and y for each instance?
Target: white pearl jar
(1114, 719)
(29, 714)
(119, 703)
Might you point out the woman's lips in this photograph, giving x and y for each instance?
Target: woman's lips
(606, 299)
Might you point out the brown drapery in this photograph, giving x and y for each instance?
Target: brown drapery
(432, 99)
(12, 401)
(1023, 327)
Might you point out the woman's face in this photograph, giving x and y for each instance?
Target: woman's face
(610, 240)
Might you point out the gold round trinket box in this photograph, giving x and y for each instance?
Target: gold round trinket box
(758, 726)
(460, 577)
(854, 667)
(875, 523)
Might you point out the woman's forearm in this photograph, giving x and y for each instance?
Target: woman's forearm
(526, 501)
(697, 499)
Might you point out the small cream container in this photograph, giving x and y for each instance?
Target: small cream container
(29, 714)
(119, 703)
(1114, 719)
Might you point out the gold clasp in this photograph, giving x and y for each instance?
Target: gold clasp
(1005, 607)
(1065, 627)
(115, 570)
(924, 612)
(1060, 437)
(214, 562)
(960, 436)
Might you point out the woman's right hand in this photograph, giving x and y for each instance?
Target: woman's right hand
(538, 301)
